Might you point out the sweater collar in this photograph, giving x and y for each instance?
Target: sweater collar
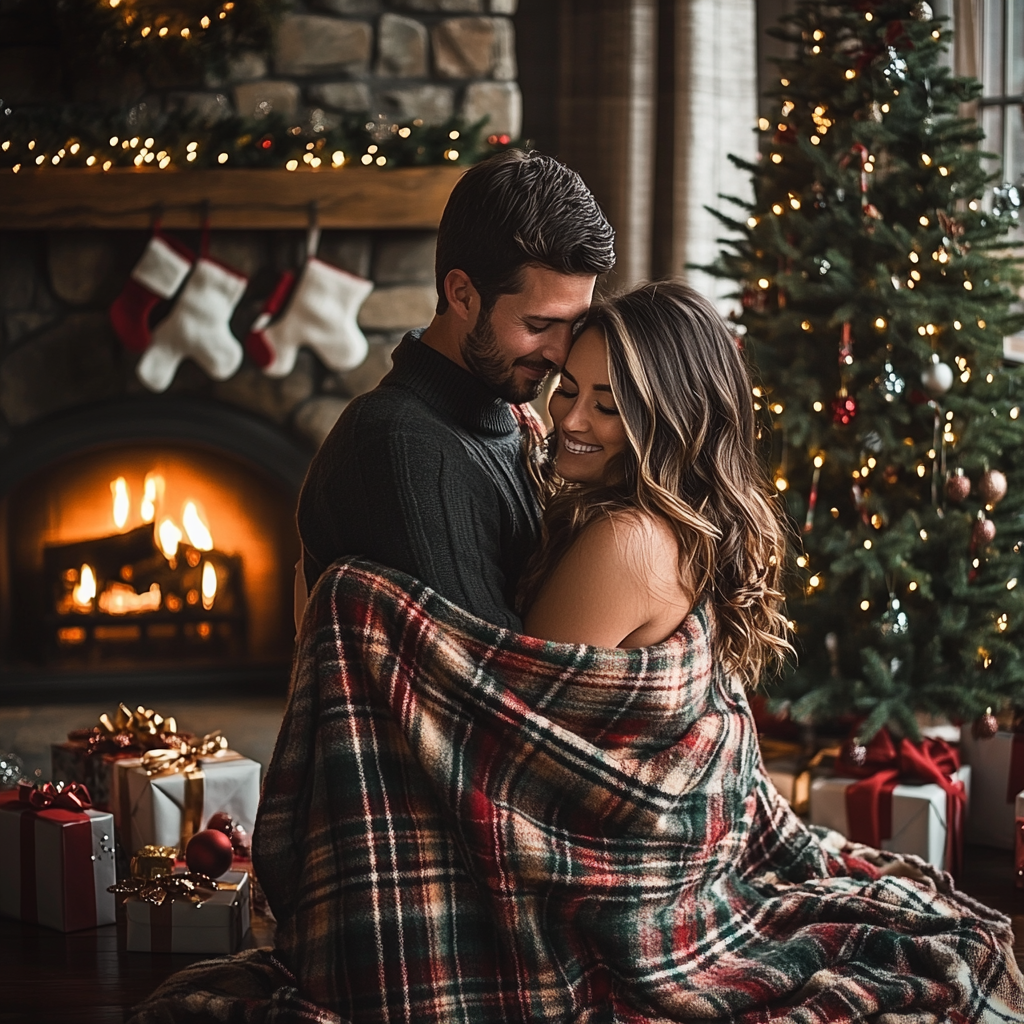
(452, 391)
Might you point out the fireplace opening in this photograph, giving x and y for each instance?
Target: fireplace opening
(152, 557)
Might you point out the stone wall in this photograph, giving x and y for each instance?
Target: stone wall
(406, 59)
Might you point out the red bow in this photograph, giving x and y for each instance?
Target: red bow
(48, 797)
(869, 802)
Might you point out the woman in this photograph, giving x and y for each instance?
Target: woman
(656, 493)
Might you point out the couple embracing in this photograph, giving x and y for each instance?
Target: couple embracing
(518, 779)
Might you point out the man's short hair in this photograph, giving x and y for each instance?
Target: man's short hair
(520, 209)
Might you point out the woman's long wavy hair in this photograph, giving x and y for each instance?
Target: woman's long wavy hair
(685, 398)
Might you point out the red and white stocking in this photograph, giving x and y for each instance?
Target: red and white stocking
(197, 328)
(158, 275)
(321, 313)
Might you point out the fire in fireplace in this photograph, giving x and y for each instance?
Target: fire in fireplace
(161, 586)
(140, 554)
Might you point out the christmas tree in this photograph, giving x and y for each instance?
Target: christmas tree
(876, 291)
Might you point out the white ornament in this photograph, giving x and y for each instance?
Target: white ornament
(198, 328)
(937, 378)
(321, 314)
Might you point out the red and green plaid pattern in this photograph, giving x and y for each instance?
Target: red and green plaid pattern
(465, 826)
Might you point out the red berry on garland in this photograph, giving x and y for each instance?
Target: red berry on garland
(844, 408)
(209, 853)
(958, 486)
(984, 531)
(992, 486)
(985, 726)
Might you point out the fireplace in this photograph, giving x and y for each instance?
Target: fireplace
(148, 543)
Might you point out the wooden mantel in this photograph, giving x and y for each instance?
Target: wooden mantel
(350, 197)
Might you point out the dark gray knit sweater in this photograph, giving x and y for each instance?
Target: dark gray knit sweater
(425, 474)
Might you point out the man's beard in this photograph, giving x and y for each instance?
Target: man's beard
(484, 357)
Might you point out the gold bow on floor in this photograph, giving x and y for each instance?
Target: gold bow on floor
(184, 755)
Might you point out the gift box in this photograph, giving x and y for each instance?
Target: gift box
(56, 862)
(997, 765)
(165, 801)
(919, 814)
(89, 756)
(792, 779)
(216, 924)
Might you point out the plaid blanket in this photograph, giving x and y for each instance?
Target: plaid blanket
(465, 826)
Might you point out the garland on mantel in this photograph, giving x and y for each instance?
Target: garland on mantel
(38, 139)
(100, 45)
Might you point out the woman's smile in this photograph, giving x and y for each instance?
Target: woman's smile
(575, 447)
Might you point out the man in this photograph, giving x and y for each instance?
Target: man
(425, 474)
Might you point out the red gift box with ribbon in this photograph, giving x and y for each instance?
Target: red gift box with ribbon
(56, 857)
(931, 768)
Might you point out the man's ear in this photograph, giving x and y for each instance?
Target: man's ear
(463, 298)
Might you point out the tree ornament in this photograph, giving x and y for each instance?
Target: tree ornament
(921, 11)
(1006, 200)
(222, 822)
(937, 378)
(209, 853)
(984, 531)
(992, 486)
(11, 770)
(857, 753)
(844, 408)
(985, 726)
(891, 383)
(198, 327)
(958, 487)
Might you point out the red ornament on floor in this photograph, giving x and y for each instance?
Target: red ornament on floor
(209, 853)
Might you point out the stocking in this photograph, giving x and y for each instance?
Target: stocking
(197, 328)
(321, 314)
(160, 272)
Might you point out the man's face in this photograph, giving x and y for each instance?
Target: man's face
(527, 335)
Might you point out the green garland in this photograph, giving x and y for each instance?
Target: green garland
(126, 47)
(44, 138)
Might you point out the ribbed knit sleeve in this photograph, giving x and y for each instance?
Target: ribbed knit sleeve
(401, 490)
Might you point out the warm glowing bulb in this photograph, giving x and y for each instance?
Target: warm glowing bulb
(290, 166)
(814, 580)
(867, 545)
(197, 531)
(209, 585)
(801, 560)
(119, 489)
(222, 158)
(850, 74)
(1010, 584)
(819, 461)
(912, 585)
(818, 406)
(337, 158)
(763, 282)
(781, 483)
(865, 605)
(168, 536)
(85, 590)
(880, 323)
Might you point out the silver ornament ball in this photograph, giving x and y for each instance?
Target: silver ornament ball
(937, 377)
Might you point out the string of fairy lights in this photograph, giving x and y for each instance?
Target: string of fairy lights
(948, 259)
(196, 38)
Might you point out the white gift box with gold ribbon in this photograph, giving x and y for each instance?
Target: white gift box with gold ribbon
(171, 798)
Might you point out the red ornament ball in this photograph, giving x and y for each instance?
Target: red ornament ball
(992, 486)
(221, 822)
(984, 531)
(958, 487)
(985, 726)
(844, 409)
(209, 853)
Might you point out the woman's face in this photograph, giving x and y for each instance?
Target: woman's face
(588, 427)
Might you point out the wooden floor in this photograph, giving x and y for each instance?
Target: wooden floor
(85, 978)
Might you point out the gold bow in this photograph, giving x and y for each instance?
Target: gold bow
(184, 756)
(186, 887)
(153, 862)
(142, 723)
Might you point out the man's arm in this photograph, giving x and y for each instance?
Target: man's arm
(410, 500)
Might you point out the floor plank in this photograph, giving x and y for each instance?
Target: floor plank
(89, 978)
